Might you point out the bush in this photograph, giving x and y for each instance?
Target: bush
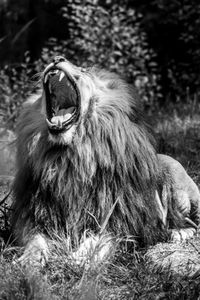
(16, 84)
(110, 37)
(172, 29)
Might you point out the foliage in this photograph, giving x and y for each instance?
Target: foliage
(172, 28)
(154, 44)
(16, 83)
(107, 36)
(110, 37)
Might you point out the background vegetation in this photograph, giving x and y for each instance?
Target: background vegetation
(155, 45)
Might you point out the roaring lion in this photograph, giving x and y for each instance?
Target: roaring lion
(86, 163)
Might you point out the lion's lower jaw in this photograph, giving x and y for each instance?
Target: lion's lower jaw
(64, 138)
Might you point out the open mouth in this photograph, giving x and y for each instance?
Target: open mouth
(62, 100)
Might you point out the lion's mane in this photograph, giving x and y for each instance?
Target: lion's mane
(110, 163)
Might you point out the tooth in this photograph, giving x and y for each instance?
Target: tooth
(57, 120)
(62, 74)
(45, 78)
(49, 123)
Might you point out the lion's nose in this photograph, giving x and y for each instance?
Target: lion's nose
(58, 59)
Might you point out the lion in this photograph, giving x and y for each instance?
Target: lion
(86, 162)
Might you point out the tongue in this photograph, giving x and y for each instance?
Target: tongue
(62, 115)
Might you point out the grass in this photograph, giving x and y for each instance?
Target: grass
(124, 275)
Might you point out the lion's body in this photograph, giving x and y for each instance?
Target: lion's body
(104, 163)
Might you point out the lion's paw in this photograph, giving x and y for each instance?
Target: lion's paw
(180, 235)
(35, 254)
(93, 250)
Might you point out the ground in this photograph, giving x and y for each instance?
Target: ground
(125, 275)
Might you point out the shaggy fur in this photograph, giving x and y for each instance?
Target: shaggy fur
(105, 162)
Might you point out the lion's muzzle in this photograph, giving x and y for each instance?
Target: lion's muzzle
(62, 97)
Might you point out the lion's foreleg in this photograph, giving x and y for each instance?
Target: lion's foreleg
(29, 236)
(187, 207)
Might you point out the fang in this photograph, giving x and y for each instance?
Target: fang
(62, 74)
